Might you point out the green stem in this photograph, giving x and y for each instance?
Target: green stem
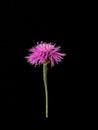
(46, 88)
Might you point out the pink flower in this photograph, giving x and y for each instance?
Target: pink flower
(43, 52)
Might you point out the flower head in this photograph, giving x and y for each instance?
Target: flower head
(43, 52)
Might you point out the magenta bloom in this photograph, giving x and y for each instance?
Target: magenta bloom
(44, 51)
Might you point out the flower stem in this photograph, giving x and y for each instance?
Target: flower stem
(46, 88)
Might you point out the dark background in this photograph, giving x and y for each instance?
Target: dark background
(21, 85)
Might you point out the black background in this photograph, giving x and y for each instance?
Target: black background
(21, 85)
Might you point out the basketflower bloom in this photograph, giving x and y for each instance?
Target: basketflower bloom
(42, 54)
